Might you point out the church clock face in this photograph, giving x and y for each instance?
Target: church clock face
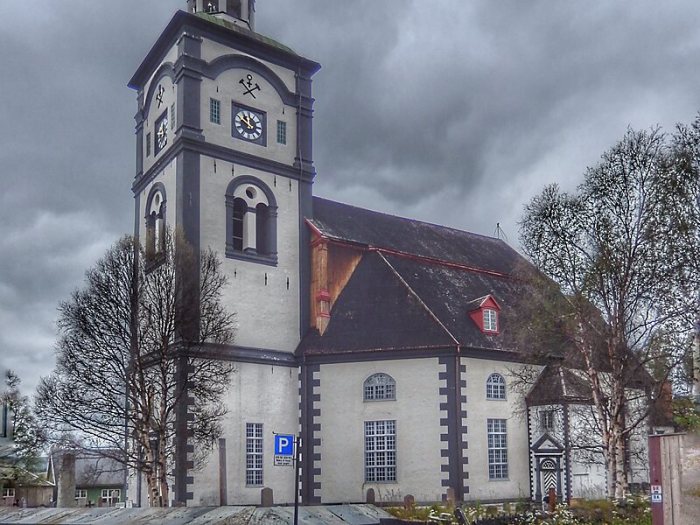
(161, 132)
(249, 124)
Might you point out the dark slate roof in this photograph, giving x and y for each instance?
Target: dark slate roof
(370, 228)
(449, 293)
(377, 311)
(414, 287)
(557, 384)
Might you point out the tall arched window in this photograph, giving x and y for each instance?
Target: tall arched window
(155, 223)
(251, 221)
(495, 387)
(379, 387)
(240, 207)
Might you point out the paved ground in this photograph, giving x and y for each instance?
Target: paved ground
(321, 515)
(690, 482)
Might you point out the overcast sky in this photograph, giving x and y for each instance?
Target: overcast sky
(455, 112)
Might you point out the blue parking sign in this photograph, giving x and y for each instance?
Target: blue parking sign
(284, 445)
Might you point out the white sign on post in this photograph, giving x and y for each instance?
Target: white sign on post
(656, 494)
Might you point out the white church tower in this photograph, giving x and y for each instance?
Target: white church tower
(224, 153)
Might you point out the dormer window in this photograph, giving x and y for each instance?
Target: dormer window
(490, 320)
(484, 312)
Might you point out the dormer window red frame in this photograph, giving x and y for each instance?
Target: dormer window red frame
(485, 315)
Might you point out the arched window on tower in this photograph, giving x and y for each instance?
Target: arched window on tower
(251, 216)
(262, 229)
(155, 224)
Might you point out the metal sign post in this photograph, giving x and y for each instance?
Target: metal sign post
(287, 452)
(296, 479)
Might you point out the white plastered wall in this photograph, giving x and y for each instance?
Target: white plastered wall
(153, 112)
(227, 89)
(212, 50)
(417, 415)
(259, 393)
(267, 315)
(479, 409)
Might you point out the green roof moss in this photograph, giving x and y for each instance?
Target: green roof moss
(245, 31)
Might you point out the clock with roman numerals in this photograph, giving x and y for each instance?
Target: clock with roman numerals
(249, 124)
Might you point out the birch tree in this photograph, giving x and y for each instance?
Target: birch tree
(616, 287)
(129, 340)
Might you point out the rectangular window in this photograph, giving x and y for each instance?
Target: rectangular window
(8, 493)
(490, 323)
(546, 419)
(253, 454)
(497, 448)
(380, 451)
(214, 111)
(111, 495)
(80, 494)
(172, 116)
(148, 144)
(281, 132)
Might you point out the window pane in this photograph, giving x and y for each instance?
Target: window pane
(379, 386)
(254, 454)
(281, 132)
(214, 111)
(380, 450)
(497, 448)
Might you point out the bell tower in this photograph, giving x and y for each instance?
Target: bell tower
(236, 11)
(224, 155)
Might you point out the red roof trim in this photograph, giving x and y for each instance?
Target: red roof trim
(422, 258)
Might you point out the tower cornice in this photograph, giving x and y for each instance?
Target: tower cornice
(241, 38)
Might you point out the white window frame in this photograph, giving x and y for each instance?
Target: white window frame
(80, 494)
(281, 132)
(497, 447)
(8, 492)
(111, 495)
(490, 317)
(379, 387)
(253, 454)
(214, 111)
(380, 451)
(496, 387)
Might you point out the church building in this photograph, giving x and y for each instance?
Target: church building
(378, 339)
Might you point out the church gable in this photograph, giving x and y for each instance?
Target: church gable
(547, 444)
(377, 312)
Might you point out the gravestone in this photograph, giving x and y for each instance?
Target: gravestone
(266, 497)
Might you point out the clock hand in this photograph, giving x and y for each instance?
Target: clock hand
(247, 120)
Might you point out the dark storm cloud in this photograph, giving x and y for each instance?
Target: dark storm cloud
(451, 111)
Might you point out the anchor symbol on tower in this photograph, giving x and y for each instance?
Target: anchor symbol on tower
(247, 83)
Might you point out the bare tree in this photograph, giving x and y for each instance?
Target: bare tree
(615, 293)
(132, 353)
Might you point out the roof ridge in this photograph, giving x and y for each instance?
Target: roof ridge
(401, 217)
(413, 292)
